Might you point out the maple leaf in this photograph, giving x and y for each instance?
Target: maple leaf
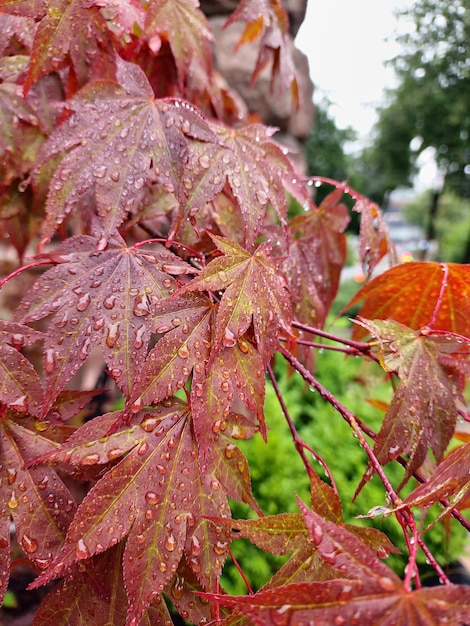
(117, 138)
(255, 292)
(449, 480)
(374, 238)
(14, 29)
(319, 543)
(186, 326)
(414, 421)
(21, 138)
(256, 171)
(316, 255)
(267, 21)
(352, 602)
(416, 294)
(84, 599)
(69, 32)
(20, 387)
(99, 297)
(183, 25)
(157, 495)
(236, 374)
(36, 498)
(124, 17)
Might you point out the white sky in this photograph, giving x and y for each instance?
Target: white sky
(347, 43)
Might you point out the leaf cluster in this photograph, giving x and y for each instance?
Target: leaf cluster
(162, 217)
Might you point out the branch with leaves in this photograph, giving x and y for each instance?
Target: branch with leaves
(163, 246)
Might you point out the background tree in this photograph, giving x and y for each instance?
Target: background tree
(429, 108)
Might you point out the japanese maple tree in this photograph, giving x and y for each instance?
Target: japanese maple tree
(155, 220)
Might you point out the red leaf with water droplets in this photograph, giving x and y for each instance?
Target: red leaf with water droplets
(255, 168)
(417, 295)
(69, 32)
(99, 297)
(85, 598)
(20, 387)
(351, 602)
(183, 25)
(157, 495)
(449, 480)
(117, 139)
(236, 374)
(21, 137)
(35, 498)
(374, 238)
(255, 292)
(315, 258)
(186, 324)
(424, 409)
(267, 21)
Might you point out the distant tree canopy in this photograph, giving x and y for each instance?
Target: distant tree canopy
(431, 103)
(325, 146)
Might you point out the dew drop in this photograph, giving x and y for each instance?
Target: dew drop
(13, 501)
(114, 453)
(81, 551)
(183, 351)
(100, 171)
(170, 543)
(143, 448)
(229, 339)
(386, 583)
(11, 475)
(151, 497)
(149, 424)
(196, 547)
(204, 161)
(220, 547)
(83, 302)
(112, 335)
(90, 459)
(29, 544)
(317, 534)
(177, 589)
(230, 450)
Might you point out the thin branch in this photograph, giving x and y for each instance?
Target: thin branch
(404, 516)
(24, 268)
(241, 572)
(324, 346)
(360, 346)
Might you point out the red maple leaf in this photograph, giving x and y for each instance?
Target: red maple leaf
(93, 282)
(157, 495)
(118, 139)
(254, 292)
(69, 32)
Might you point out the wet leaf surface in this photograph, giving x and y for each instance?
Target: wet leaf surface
(99, 297)
(254, 292)
(158, 496)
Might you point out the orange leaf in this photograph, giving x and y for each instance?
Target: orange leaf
(417, 295)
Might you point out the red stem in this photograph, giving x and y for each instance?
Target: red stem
(191, 251)
(19, 270)
(358, 345)
(337, 185)
(241, 572)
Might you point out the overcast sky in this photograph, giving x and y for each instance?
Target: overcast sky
(347, 43)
